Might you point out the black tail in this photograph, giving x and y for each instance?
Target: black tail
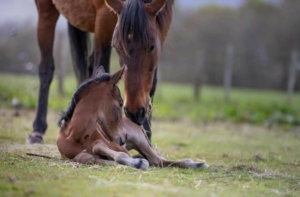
(79, 43)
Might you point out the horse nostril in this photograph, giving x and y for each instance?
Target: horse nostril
(128, 115)
(138, 118)
(140, 115)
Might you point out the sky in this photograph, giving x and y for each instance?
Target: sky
(24, 10)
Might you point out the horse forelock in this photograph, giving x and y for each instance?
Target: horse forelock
(68, 113)
(133, 24)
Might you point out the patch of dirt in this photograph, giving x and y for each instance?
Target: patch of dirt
(21, 149)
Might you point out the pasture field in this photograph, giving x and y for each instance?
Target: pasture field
(248, 156)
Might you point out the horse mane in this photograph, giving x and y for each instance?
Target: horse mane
(133, 19)
(68, 113)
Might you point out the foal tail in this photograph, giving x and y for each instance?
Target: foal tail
(79, 44)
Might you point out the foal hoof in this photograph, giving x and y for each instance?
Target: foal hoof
(201, 165)
(141, 164)
(35, 138)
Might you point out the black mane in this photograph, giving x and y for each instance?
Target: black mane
(68, 113)
(133, 19)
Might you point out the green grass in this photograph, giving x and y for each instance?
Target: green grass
(245, 161)
(246, 157)
(173, 101)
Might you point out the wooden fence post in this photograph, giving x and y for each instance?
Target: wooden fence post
(292, 76)
(198, 77)
(228, 71)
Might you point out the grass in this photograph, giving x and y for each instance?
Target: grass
(246, 159)
(268, 108)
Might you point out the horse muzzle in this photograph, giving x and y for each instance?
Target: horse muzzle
(138, 118)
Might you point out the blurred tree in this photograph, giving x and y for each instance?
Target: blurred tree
(263, 35)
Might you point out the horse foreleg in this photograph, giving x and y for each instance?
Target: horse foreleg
(48, 16)
(102, 148)
(136, 139)
(104, 27)
(147, 122)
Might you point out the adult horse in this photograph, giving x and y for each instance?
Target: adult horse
(135, 28)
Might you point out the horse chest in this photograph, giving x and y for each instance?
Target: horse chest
(80, 13)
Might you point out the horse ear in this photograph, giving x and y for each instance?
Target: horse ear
(99, 71)
(115, 78)
(155, 6)
(115, 5)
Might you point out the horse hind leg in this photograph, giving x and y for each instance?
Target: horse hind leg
(47, 19)
(79, 43)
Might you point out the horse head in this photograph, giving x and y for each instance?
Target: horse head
(137, 40)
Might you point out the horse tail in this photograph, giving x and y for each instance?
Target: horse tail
(79, 44)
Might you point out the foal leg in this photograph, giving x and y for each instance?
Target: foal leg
(101, 148)
(48, 16)
(86, 158)
(136, 140)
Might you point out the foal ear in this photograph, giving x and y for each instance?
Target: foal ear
(115, 78)
(115, 5)
(155, 6)
(99, 71)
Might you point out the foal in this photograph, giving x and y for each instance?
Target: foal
(94, 131)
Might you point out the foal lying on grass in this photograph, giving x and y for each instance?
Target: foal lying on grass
(94, 131)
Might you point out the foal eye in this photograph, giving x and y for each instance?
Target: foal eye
(151, 48)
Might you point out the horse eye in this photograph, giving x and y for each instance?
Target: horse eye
(151, 48)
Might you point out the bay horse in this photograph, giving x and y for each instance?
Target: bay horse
(93, 130)
(135, 28)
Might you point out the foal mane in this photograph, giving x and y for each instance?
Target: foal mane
(68, 113)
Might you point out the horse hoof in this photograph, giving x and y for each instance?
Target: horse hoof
(202, 165)
(35, 138)
(141, 164)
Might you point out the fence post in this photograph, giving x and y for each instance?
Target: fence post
(228, 71)
(292, 76)
(200, 59)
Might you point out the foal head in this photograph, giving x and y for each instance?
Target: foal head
(98, 99)
(137, 40)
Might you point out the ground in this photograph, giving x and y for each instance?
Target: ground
(245, 160)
